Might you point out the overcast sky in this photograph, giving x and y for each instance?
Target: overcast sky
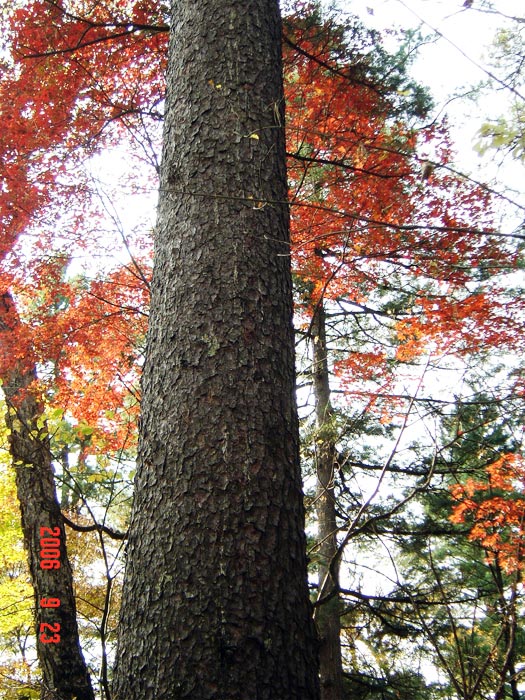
(452, 65)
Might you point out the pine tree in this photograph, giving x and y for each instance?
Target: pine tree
(215, 601)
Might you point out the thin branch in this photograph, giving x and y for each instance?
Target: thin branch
(96, 527)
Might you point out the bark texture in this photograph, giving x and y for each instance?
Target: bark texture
(64, 672)
(215, 601)
(328, 612)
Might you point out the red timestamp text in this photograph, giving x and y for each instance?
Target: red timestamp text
(46, 627)
(49, 632)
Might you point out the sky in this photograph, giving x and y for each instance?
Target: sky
(455, 61)
(452, 61)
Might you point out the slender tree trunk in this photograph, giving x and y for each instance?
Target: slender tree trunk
(508, 612)
(328, 613)
(64, 672)
(215, 601)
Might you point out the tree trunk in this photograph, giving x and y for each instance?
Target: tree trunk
(215, 600)
(328, 613)
(509, 617)
(64, 672)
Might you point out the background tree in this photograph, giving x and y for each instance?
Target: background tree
(374, 297)
(64, 672)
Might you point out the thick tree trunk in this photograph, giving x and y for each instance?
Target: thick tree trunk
(215, 600)
(328, 613)
(64, 672)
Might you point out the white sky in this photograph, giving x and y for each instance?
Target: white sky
(441, 65)
(451, 65)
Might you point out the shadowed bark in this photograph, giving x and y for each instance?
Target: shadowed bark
(215, 601)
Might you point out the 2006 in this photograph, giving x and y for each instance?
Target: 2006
(50, 548)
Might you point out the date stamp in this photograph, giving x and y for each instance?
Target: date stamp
(49, 632)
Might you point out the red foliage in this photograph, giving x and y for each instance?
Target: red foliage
(495, 509)
(366, 229)
(71, 86)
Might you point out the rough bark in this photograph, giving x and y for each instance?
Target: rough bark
(328, 613)
(215, 600)
(64, 672)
